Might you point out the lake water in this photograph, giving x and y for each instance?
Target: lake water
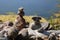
(43, 8)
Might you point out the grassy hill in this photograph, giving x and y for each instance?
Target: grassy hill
(13, 17)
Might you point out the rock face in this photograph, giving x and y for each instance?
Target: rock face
(54, 31)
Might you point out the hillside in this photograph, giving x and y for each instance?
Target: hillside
(13, 17)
